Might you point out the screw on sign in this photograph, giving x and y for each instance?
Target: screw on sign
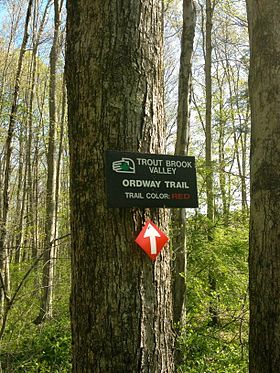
(151, 239)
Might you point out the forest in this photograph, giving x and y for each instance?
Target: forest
(76, 293)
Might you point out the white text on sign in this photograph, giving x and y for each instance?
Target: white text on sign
(135, 183)
(164, 167)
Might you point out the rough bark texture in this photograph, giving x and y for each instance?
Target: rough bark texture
(264, 258)
(121, 304)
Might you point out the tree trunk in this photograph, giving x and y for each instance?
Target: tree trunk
(181, 148)
(46, 308)
(8, 147)
(178, 222)
(20, 200)
(221, 145)
(31, 203)
(264, 258)
(208, 151)
(121, 304)
(208, 113)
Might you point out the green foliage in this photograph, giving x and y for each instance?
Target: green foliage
(44, 348)
(31, 348)
(209, 351)
(220, 348)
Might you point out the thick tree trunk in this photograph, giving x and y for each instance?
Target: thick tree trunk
(121, 306)
(264, 258)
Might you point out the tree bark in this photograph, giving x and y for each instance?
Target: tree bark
(208, 113)
(178, 222)
(264, 258)
(208, 151)
(121, 304)
(181, 148)
(46, 307)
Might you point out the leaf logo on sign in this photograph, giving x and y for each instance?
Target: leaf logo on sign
(125, 165)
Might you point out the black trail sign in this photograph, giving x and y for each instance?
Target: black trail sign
(150, 180)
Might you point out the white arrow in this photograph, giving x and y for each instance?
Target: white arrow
(152, 233)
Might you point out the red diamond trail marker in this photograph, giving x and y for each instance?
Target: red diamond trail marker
(151, 239)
